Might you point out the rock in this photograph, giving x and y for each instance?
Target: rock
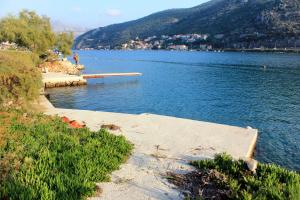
(80, 67)
(49, 85)
(111, 127)
(42, 91)
(8, 104)
(252, 165)
(64, 66)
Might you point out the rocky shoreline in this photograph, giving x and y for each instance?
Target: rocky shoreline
(61, 73)
(61, 66)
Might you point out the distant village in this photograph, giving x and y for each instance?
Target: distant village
(175, 42)
(179, 42)
(205, 42)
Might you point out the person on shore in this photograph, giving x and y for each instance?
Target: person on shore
(76, 58)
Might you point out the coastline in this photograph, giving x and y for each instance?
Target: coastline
(162, 144)
(287, 51)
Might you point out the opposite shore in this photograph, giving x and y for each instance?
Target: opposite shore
(258, 50)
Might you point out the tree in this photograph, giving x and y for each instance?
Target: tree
(64, 43)
(35, 33)
(28, 30)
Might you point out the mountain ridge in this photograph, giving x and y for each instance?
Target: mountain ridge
(243, 23)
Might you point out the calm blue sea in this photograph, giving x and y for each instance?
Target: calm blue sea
(227, 88)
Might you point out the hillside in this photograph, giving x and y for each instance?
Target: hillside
(230, 23)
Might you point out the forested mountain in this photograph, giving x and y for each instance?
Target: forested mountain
(229, 23)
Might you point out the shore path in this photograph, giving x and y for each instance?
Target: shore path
(161, 144)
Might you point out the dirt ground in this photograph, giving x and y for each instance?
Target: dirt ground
(205, 184)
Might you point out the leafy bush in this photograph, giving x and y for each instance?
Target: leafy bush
(20, 80)
(64, 42)
(42, 158)
(28, 30)
(34, 32)
(269, 182)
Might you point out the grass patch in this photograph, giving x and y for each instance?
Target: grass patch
(269, 182)
(42, 158)
(20, 79)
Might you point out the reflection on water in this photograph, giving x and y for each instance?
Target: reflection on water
(228, 88)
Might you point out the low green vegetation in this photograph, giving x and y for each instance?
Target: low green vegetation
(42, 158)
(20, 79)
(269, 181)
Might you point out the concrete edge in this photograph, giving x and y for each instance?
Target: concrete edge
(252, 146)
(45, 102)
(249, 155)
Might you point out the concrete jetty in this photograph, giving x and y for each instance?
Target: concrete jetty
(53, 79)
(161, 144)
(88, 76)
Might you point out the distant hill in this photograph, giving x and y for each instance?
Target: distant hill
(230, 23)
(60, 27)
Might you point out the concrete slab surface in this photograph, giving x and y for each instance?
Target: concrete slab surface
(162, 144)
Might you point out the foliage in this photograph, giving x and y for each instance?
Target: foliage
(269, 182)
(28, 30)
(20, 80)
(64, 43)
(34, 32)
(42, 158)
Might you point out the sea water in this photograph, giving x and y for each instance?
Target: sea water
(261, 90)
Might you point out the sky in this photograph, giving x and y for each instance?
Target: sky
(93, 13)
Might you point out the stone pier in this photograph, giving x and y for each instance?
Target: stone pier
(52, 79)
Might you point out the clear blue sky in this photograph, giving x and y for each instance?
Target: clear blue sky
(93, 13)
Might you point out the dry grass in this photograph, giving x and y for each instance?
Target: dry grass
(20, 79)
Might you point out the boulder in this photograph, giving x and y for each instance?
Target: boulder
(252, 165)
(63, 66)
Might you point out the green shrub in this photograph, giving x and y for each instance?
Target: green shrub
(20, 79)
(269, 182)
(29, 30)
(34, 32)
(64, 42)
(42, 158)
